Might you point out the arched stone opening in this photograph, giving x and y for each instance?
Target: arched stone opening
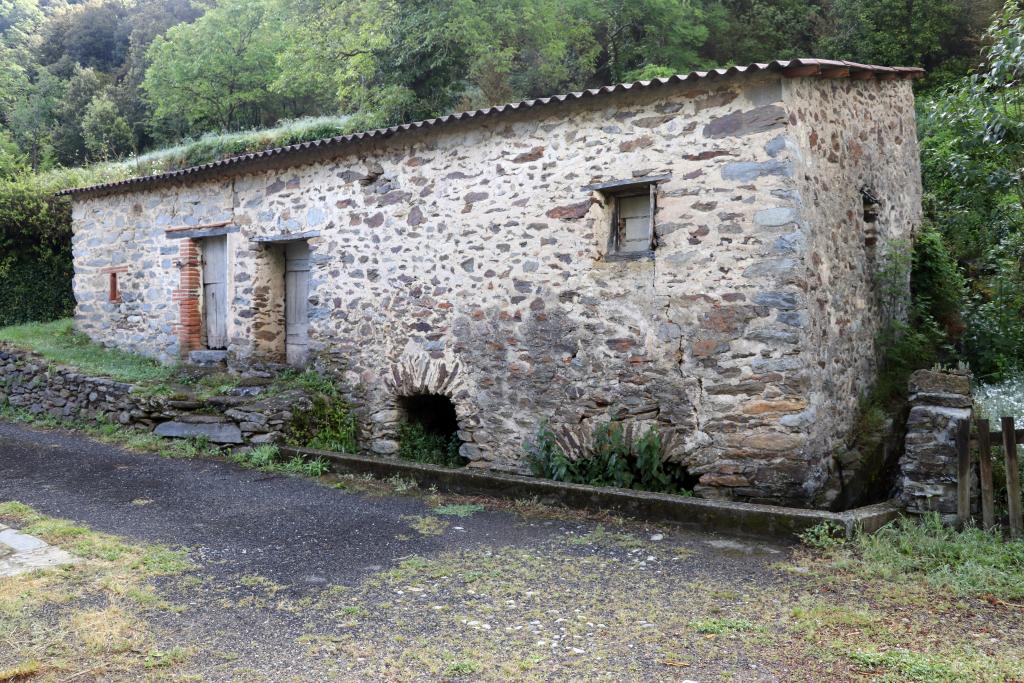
(433, 412)
(429, 430)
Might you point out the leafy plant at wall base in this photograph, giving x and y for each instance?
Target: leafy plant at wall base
(417, 444)
(267, 457)
(546, 459)
(613, 461)
(823, 536)
(327, 425)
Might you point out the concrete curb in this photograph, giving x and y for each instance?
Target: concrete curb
(707, 515)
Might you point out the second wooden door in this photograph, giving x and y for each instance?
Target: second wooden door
(296, 302)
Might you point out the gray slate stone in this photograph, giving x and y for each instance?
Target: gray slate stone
(215, 432)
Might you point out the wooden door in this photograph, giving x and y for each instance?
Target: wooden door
(215, 291)
(296, 302)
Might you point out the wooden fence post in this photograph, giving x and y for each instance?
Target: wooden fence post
(1012, 478)
(963, 473)
(988, 517)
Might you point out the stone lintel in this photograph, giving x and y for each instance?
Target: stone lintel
(291, 237)
(627, 184)
(200, 232)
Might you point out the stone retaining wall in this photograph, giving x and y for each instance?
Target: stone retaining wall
(939, 400)
(245, 415)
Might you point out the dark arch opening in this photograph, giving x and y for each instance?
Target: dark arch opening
(430, 430)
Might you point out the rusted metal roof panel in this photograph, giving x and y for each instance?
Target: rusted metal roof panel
(793, 68)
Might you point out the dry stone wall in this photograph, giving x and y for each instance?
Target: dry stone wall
(939, 401)
(28, 382)
(470, 262)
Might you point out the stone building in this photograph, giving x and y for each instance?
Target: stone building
(696, 253)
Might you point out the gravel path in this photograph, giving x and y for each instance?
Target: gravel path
(274, 553)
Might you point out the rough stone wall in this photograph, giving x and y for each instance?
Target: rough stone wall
(28, 382)
(928, 468)
(851, 135)
(469, 262)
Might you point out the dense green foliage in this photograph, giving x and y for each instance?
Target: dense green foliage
(613, 460)
(327, 425)
(972, 151)
(35, 253)
(88, 80)
(419, 445)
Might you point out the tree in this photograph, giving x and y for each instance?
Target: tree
(972, 143)
(106, 133)
(31, 118)
(69, 147)
(91, 35)
(12, 162)
(145, 22)
(745, 31)
(216, 72)
(906, 32)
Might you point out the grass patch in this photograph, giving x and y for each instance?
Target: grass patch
(720, 626)
(59, 343)
(426, 525)
(113, 433)
(88, 616)
(601, 536)
(268, 458)
(972, 562)
(415, 443)
(21, 672)
(457, 510)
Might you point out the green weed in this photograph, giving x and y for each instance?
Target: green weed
(823, 536)
(417, 444)
(458, 510)
(720, 626)
(267, 457)
(327, 425)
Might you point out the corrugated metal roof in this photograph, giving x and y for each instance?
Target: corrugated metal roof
(793, 68)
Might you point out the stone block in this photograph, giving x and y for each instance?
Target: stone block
(940, 382)
(215, 432)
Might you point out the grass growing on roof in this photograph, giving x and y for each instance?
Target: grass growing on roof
(204, 149)
(59, 343)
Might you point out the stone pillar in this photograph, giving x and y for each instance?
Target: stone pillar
(928, 468)
(190, 323)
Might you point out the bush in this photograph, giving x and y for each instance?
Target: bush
(417, 444)
(35, 254)
(327, 425)
(612, 462)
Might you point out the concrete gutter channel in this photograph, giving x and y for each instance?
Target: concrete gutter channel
(745, 519)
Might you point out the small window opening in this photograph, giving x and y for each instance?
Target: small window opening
(113, 293)
(871, 205)
(632, 232)
(430, 430)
